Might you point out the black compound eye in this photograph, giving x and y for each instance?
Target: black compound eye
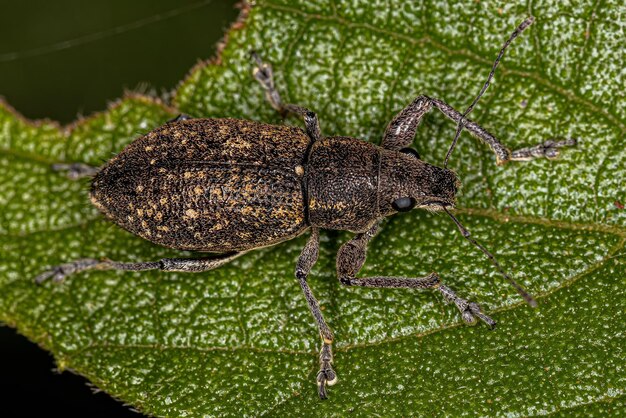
(411, 151)
(404, 204)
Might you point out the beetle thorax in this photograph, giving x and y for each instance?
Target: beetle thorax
(342, 184)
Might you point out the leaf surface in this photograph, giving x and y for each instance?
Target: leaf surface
(239, 340)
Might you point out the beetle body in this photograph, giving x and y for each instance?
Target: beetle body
(228, 186)
(222, 185)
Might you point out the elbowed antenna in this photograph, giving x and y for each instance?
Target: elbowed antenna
(523, 293)
(526, 23)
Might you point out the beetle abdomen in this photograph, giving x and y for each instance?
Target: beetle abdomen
(208, 185)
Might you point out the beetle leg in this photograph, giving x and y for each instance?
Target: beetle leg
(548, 149)
(351, 257)
(60, 272)
(308, 257)
(75, 171)
(182, 116)
(264, 75)
(401, 131)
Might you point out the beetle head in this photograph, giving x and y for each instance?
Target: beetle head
(406, 182)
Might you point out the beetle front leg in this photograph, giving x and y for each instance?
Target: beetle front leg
(308, 257)
(351, 257)
(60, 272)
(264, 75)
(401, 131)
(548, 149)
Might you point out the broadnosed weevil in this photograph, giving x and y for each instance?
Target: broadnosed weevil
(228, 186)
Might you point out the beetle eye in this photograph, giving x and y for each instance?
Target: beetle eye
(411, 151)
(404, 204)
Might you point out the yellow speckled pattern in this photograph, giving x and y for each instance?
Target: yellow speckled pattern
(208, 185)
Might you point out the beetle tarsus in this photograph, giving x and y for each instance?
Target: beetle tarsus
(549, 149)
(470, 311)
(58, 273)
(263, 73)
(326, 376)
(75, 171)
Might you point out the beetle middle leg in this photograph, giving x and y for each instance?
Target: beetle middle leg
(264, 75)
(351, 257)
(308, 257)
(60, 272)
(401, 131)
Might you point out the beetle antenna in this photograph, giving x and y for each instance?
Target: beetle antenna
(526, 23)
(523, 293)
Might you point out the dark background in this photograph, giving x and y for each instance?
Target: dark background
(63, 58)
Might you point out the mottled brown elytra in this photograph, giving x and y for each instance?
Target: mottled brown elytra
(228, 186)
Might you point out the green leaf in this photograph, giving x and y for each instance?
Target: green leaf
(240, 340)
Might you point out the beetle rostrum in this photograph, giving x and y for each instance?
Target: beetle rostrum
(228, 186)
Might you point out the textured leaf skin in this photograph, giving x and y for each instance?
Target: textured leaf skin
(240, 341)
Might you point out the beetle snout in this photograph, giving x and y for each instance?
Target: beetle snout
(446, 181)
(445, 185)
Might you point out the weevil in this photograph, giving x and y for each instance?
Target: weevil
(229, 186)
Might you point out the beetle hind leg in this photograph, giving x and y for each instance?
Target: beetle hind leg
(75, 171)
(60, 272)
